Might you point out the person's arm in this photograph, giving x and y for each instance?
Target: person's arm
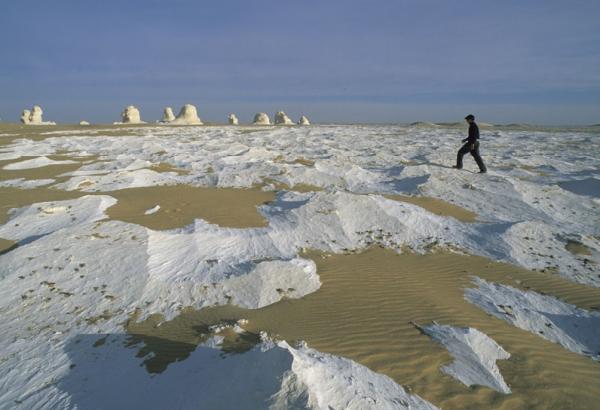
(473, 135)
(470, 133)
(467, 139)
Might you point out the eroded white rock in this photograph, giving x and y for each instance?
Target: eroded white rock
(188, 115)
(131, 115)
(233, 120)
(36, 163)
(261, 119)
(575, 329)
(475, 355)
(25, 116)
(84, 123)
(153, 210)
(40, 219)
(168, 115)
(34, 117)
(282, 119)
(323, 381)
(303, 120)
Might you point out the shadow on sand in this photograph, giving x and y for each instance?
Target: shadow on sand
(109, 372)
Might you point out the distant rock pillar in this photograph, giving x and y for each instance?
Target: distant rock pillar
(282, 119)
(131, 115)
(168, 115)
(188, 115)
(26, 117)
(261, 119)
(303, 121)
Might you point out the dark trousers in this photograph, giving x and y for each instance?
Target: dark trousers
(475, 152)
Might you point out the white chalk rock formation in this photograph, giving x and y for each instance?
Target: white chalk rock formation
(282, 119)
(25, 116)
(303, 121)
(34, 117)
(475, 355)
(261, 119)
(575, 329)
(84, 123)
(168, 115)
(323, 381)
(233, 120)
(188, 115)
(131, 115)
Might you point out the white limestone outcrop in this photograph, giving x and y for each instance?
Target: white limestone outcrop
(130, 115)
(233, 120)
(188, 115)
(282, 119)
(261, 119)
(303, 120)
(34, 117)
(25, 116)
(168, 115)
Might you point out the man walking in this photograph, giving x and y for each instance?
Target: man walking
(472, 146)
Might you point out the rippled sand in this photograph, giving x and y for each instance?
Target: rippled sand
(364, 312)
(367, 302)
(438, 207)
(181, 204)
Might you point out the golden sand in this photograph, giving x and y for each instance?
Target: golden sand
(365, 305)
(437, 206)
(165, 167)
(301, 161)
(48, 171)
(15, 131)
(181, 204)
(16, 198)
(363, 312)
(280, 186)
(6, 245)
(577, 248)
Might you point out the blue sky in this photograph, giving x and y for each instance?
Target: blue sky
(343, 61)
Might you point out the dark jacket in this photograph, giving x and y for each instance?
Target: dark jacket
(473, 133)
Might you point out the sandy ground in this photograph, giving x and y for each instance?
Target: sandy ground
(181, 204)
(364, 312)
(438, 207)
(368, 300)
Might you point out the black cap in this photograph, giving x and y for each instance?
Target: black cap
(470, 117)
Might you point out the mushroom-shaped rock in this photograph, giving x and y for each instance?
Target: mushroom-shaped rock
(303, 121)
(25, 116)
(34, 117)
(131, 115)
(282, 119)
(261, 119)
(84, 123)
(168, 115)
(233, 120)
(187, 116)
